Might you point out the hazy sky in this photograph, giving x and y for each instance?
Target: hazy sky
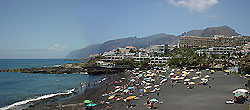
(52, 28)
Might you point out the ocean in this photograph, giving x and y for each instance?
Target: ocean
(20, 89)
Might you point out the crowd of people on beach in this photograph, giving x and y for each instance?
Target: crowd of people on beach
(140, 83)
(144, 82)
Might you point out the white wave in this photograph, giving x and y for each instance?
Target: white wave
(17, 104)
(57, 65)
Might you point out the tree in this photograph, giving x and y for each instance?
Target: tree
(117, 51)
(131, 51)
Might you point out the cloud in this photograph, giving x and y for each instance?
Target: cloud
(57, 47)
(194, 5)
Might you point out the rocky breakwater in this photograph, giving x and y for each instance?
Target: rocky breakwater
(70, 69)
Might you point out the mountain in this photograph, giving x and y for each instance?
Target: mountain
(193, 33)
(143, 42)
(211, 31)
(77, 54)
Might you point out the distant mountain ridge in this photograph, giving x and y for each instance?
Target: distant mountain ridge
(211, 31)
(143, 42)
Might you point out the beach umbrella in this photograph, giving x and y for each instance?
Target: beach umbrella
(212, 71)
(164, 80)
(136, 73)
(132, 80)
(123, 78)
(198, 72)
(148, 75)
(91, 105)
(126, 90)
(203, 79)
(191, 83)
(87, 101)
(153, 74)
(187, 80)
(148, 87)
(111, 97)
(174, 78)
(116, 82)
(186, 73)
(117, 90)
(148, 83)
(239, 93)
(247, 75)
(240, 90)
(140, 75)
(171, 74)
(227, 71)
(130, 97)
(195, 77)
(117, 87)
(207, 76)
(156, 85)
(181, 78)
(131, 88)
(153, 100)
(144, 90)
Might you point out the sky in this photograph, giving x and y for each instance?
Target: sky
(42, 29)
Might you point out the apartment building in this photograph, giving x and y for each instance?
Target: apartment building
(217, 50)
(216, 41)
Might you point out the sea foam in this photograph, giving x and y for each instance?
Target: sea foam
(20, 103)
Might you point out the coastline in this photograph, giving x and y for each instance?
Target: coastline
(76, 102)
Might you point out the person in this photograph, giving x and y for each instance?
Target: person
(151, 105)
(102, 102)
(147, 102)
(89, 85)
(210, 86)
(172, 84)
(81, 86)
(158, 94)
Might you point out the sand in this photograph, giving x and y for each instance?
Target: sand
(202, 97)
(173, 98)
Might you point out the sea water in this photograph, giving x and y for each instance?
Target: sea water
(17, 89)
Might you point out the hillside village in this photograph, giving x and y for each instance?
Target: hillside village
(218, 52)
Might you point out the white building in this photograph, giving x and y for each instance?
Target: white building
(246, 48)
(158, 49)
(217, 50)
(119, 54)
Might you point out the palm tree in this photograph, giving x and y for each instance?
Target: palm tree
(117, 51)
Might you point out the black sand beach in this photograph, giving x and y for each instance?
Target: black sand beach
(177, 97)
(76, 102)
(202, 97)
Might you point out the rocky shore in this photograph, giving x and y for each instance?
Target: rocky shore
(70, 69)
